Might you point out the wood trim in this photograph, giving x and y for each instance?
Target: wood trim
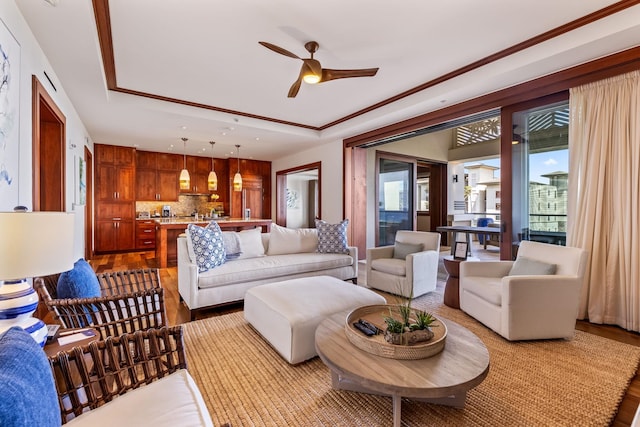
(281, 190)
(40, 96)
(355, 190)
(613, 65)
(103, 24)
(88, 207)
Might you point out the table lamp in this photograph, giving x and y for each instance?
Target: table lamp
(32, 244)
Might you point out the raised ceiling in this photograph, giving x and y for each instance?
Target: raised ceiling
(148, 68)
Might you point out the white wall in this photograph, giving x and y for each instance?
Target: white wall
(34, 62)
(330, 155)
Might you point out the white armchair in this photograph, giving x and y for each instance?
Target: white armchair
(529, 305)
(408, 268)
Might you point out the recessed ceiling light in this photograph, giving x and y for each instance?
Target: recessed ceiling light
(183, 127)
(257, 139)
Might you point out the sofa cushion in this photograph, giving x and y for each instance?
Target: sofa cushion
(530, 267)
(487, 288)
(397, 267)
(28, 395)
(232, 247)
(267, 267)
(170, 401)
(208, 245)
(401, 250)
(79, 282)
(251, 243)
(332, 238)
(292, 241)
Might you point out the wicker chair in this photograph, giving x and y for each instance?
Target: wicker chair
(90, 376)
(130, 300)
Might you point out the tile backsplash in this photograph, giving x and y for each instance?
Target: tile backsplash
(185, 205)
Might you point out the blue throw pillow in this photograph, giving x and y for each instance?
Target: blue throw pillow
(81, 282)
(208, 245)
(332, 238)
(28, 396)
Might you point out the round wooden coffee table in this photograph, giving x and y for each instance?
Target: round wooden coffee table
(443, 378)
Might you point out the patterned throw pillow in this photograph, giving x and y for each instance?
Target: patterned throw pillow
(332, 238)
(208, 245)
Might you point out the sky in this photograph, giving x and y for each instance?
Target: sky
(539, 164)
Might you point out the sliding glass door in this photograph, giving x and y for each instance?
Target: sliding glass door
(395, 197)
(540, 172)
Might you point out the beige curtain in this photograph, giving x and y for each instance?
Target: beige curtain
(604, 197)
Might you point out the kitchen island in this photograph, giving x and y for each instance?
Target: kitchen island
(168, 230)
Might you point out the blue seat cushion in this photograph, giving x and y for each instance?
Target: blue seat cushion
(28, 395)
(80, 282)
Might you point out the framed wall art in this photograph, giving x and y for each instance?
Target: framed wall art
(9, 118)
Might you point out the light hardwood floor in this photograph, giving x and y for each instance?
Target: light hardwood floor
(177, 313)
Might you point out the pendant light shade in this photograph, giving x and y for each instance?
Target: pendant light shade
(185, 179)
(212, 180)
(237, 178)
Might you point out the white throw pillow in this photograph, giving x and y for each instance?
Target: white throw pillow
(292, 241)
(251, 243)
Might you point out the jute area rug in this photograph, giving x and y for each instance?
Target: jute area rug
(578, 382)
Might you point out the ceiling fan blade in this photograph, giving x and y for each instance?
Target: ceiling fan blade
(328, 74)
(295, 87)
(279, 50)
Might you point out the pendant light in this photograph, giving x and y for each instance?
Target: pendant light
(185, 179)
(212, 180)
(237, 178)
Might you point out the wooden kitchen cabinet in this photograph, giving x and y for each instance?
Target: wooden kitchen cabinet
(114, 235)
(199, 168)
(145, 234)
(115, 198)
(115, 173)
(157, 176)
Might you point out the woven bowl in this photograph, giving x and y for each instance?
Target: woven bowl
(377, 345)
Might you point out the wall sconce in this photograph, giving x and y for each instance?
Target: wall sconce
(455, 178)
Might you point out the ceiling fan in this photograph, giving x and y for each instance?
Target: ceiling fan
(312, 72)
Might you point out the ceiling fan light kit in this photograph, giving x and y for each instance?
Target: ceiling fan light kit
(312, 72)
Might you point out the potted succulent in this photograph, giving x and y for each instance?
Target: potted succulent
(408, 326)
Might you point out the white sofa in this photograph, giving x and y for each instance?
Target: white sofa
(292, 256)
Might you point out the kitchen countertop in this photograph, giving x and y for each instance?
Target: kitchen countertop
(192, 220)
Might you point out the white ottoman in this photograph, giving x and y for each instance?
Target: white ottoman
(287, 313)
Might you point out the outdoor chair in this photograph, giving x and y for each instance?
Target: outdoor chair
(135, 379)
(130, 300)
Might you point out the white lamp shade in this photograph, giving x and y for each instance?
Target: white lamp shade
(237, 182)
(185, 180)
(212, 181)
(34, 244)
